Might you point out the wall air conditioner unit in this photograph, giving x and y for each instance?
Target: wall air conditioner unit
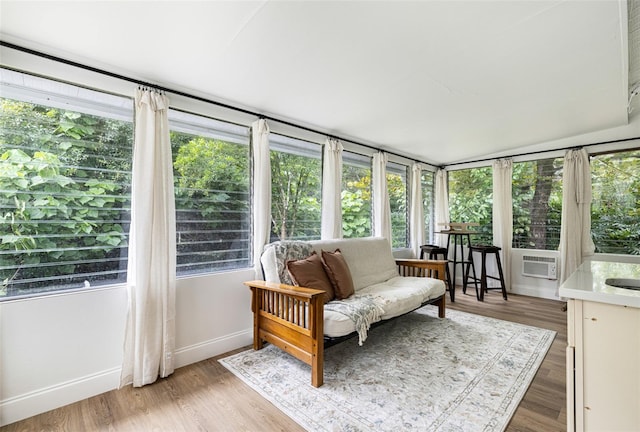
(540, 266)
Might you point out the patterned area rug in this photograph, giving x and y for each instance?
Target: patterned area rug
(417, 372)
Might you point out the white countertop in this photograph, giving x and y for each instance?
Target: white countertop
(587, 283)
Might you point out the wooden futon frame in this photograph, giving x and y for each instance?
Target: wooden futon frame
(292, 317)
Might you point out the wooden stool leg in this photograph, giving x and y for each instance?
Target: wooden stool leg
(473, 269)
(483, 278)
(452, 287)
(465, 276)
(504, 288)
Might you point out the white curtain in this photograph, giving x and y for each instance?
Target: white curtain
(441, 206)
(261, 190)
(151, 275)
(381, 206)
(332, 190)
(416, 218)
(575, 231)
(503, 214)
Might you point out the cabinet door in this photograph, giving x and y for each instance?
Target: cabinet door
(611, 367)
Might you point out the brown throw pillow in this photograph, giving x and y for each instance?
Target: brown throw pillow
(309, 273)
(339, 273)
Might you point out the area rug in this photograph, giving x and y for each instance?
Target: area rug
(418, 372)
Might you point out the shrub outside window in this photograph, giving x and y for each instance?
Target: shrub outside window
(296, 188)
(65, 173)
(211, 179)
(356, 195)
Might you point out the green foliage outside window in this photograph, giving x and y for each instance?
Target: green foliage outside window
(471, 200)
(356, 201)
(615, 210)
(64, 198)
(211, 178)
(428, 183)
(397, 186)
(296, 194)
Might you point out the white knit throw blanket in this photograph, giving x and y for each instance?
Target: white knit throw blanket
(362, 309)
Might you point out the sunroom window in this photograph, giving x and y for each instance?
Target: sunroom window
(471, 200)
(356, 195)
(296, 188)
(65, 170)
(428, 203)
(211, 177)
(397, 185)
(537, 204)
(615, 210)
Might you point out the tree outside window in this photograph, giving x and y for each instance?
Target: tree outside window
(537, 204)
(296, 189)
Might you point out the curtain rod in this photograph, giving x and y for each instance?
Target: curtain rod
(542, 151)
(198, 98)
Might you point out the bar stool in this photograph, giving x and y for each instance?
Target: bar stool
(484, 251)
(434, 252)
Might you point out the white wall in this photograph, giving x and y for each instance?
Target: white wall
(58, 349)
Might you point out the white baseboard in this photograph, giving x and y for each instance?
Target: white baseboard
(534, 291)
(48, 398)
(39, 401)
(213, 347)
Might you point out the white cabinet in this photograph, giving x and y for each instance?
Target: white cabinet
(603, 367)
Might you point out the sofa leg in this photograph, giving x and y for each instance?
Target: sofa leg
(441, 306)
(317, 364)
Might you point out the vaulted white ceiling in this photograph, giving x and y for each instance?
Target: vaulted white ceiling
(434, 80)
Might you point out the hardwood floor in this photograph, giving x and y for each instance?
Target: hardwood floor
(206, 397)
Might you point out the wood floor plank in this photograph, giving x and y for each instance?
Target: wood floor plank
(207, 397)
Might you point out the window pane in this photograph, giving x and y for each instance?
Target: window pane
(397, 185)
(65, 173)
(211, 177)
(428, 184)
(296, 188)
(615, 210)
(356, 195)
(537, 204)
(471, 200)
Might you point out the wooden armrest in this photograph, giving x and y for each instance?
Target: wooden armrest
(418, 267)
(290, 290)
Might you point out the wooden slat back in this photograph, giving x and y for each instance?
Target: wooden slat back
(287, 308)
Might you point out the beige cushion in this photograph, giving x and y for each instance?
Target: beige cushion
(370, 259)
(339, 274)
(398, 296)
(402, 294)
(310, 273)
